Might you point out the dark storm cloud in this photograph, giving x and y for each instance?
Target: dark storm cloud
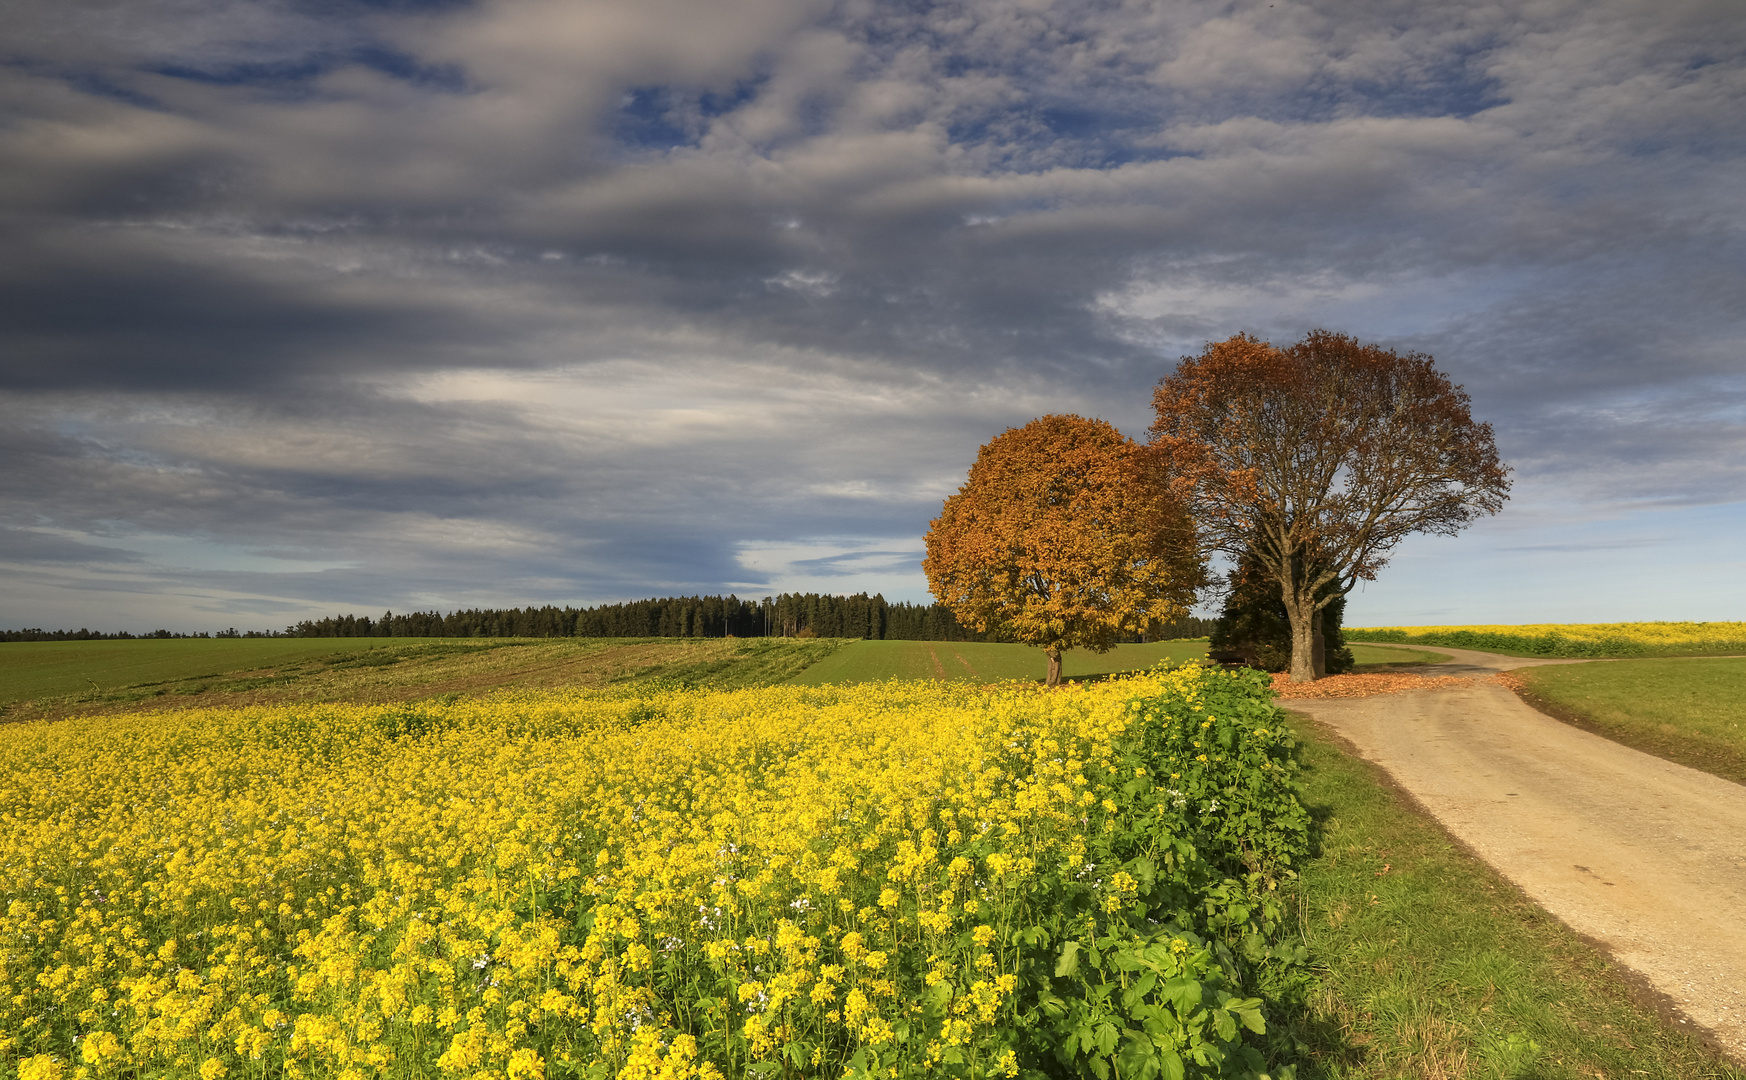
(410, 304)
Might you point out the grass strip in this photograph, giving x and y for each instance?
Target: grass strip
(1427, 963)
(1692, 711)
(1383, 657)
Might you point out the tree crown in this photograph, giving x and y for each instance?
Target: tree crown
(1064, 534)
(1319, 458)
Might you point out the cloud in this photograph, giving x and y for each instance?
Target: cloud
(519, 300)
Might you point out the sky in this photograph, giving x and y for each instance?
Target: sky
(351, 305)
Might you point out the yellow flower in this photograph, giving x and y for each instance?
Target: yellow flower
(99, 1046)
(40, 1067)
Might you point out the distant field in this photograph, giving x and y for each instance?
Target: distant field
(1597, 640)
(54, 679)
(31, 669)
(1689, 711)
(876, 661)
(40, 680)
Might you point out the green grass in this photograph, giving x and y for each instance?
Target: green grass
(33, 669)
(876, 661)
(1689, 711)
(1429, 964)
(1375, 657)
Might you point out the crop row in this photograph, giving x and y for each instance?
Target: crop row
(888, 879)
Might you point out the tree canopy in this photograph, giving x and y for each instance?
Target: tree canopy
(1063, 536)
(1318, 459)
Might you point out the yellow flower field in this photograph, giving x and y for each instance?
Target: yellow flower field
(779, 881)
(1573, 639)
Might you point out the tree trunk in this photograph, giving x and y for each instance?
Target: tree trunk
(1318, 646)
(1301, 614)
(1054, 656)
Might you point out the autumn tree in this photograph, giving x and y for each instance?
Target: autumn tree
(1064, 536)
(1316, 460)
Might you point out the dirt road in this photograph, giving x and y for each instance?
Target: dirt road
(1645, 856)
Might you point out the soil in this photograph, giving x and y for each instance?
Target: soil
(1641, 855)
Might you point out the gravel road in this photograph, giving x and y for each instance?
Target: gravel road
(1645, 856)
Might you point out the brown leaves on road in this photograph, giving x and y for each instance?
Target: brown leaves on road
(1353, 686)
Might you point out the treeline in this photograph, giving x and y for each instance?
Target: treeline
(81, 634)
(786, 615)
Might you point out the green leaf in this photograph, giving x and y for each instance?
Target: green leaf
(1107, 1037)
(1226, 1025)
(1182, 993)
(1068, 963)
(1171, 1067)
(938, 997)
(1136, 1054)
(1253, 1020)
(1144, 986)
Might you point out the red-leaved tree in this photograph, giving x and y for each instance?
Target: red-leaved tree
(1316, 460)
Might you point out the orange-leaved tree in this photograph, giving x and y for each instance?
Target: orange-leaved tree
(1316, 460)
(1064, 536)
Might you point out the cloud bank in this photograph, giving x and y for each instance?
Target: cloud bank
(350, 305)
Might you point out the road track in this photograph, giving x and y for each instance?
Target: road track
(1642, 855)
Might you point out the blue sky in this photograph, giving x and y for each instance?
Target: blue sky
(345, 306)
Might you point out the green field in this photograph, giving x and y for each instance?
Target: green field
(1689, 711)
(876, 661)
(33, 669)
(54, 679)
(1429, 964)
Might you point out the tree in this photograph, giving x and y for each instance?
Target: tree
(1318, 459)
(1064, 536)
(1255, 626)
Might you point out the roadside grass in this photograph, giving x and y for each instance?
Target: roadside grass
(376, 670)
(876, 661)
(1692, 712)
(1375, 658)
(1429, 964)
